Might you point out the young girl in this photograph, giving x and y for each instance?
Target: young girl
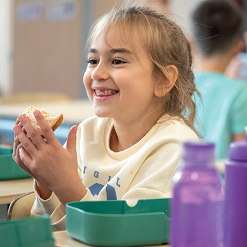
(140, 82)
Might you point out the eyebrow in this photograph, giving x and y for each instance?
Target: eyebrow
(113, 51)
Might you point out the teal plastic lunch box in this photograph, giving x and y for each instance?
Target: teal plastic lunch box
(8, 168)
(114, 223)
(26, 232)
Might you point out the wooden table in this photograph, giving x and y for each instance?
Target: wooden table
(62, 239)
(10, 189)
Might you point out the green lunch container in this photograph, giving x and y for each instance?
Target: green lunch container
(26, 232)
(8, 168)
(114, 223)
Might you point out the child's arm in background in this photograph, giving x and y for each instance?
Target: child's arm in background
(237, 67)
(232, 70)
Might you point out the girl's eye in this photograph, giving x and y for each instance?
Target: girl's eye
(117, 61)
(92, 61)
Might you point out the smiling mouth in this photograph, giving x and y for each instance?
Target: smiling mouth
(105, 93)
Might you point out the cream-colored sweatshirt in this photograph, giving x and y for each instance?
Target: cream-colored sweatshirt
(143, 171)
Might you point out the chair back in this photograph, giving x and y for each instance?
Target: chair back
(21, 206)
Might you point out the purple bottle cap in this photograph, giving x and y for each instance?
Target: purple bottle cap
(238, 150)
(198, 146)
(198, 153)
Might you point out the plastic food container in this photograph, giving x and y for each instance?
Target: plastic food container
(8, 168)
(26, 232)
(114, 223)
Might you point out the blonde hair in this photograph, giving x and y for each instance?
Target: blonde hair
(166, 45)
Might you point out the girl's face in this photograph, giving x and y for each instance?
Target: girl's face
(119, 85)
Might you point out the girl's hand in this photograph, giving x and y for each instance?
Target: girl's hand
(49, 161)
(45, 191)
(18, 148)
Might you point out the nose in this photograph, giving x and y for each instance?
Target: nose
(100, 72)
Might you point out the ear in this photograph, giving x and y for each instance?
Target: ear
(163, 87)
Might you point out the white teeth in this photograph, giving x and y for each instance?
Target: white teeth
(97, 91)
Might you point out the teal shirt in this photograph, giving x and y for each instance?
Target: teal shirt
(223, 109)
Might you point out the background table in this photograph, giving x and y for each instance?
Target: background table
(10, 189)
(74, 111)
(62, 239)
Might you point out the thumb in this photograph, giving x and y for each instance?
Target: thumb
(71, 141)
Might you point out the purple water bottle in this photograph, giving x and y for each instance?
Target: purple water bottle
(235, 212)
(196, 213)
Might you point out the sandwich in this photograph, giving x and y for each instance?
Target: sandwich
(54, 122)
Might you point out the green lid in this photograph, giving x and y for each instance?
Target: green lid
(114, 223)
(26, 232)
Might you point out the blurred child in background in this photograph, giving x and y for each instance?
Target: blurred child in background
(217, 39)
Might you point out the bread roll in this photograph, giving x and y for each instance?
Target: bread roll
(54, 122)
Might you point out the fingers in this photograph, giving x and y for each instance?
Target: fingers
(24, 156)
(24, 140)
(71, 141)
(23, 159)
(15, 145)
(17, 123)
(45, 127)
(16, 140)
(28, 128)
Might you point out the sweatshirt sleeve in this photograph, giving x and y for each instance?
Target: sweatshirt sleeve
(41, 206)
(53, 207)
(58, 217)
(49, 206)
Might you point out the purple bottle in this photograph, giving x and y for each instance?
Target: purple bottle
(196, 213)
(235, 205)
